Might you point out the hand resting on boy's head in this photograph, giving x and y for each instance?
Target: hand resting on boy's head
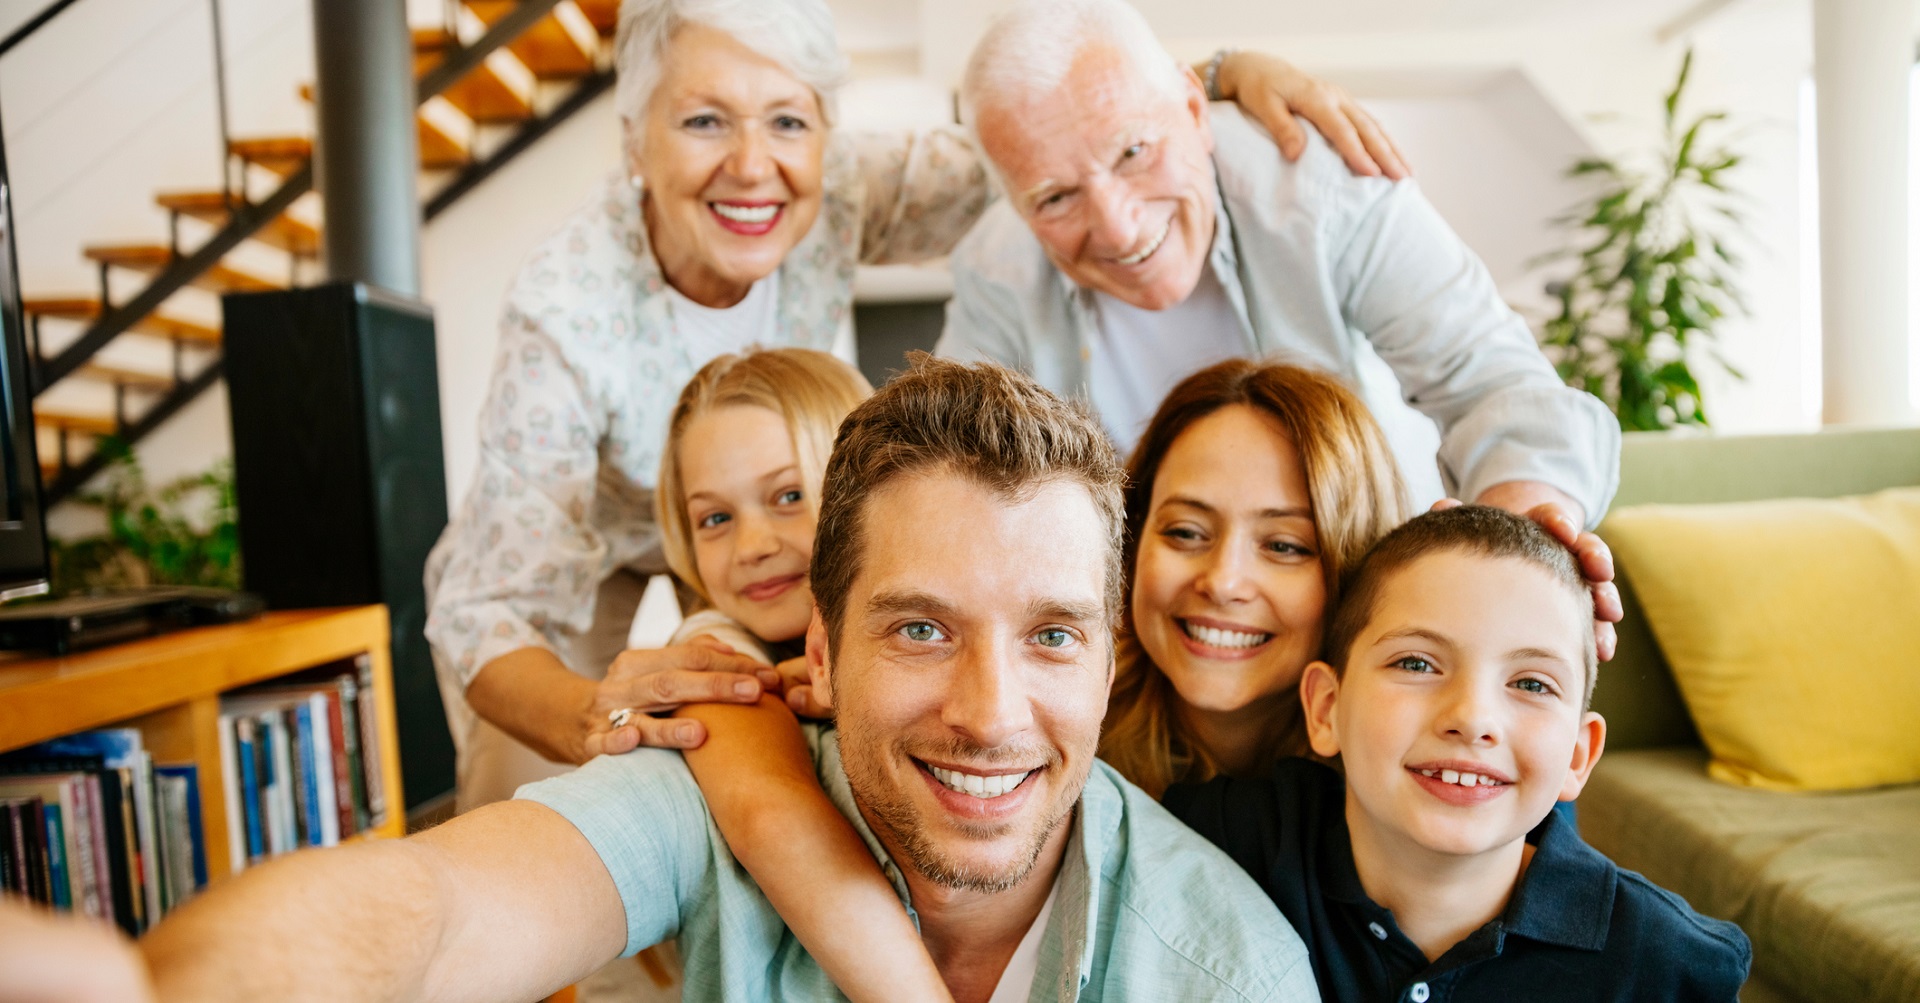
(1595, 557)
(659, 680)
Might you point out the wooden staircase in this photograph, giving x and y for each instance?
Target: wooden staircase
(523, 85)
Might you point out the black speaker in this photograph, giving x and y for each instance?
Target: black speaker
(338, 475)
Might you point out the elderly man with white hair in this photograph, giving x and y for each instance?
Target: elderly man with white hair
(1148, 233)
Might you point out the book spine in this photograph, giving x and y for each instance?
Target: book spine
(284, 780)
(39, 857)
(356, 764)
(166, 851)
(112, 827)
(249, 752)
(230, 789)
(325, 786)
(103, 851)
(60, 884)
(342, 786)
(370, 742)
(305, 795)
(144, 818)
(16, 859)
(130, 845)
(77, 810)
(196, 833)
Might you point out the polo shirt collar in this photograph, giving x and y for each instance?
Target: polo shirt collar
(1566, 896)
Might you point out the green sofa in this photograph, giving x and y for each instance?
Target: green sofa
(1826, 885)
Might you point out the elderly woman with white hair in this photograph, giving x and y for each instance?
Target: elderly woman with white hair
(738, 220)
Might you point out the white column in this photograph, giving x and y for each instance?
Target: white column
(1863, 52)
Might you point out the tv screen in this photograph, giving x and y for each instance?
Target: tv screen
(23, 534)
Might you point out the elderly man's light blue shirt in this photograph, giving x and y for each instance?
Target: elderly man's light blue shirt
(1323, 267)
(1145, 909)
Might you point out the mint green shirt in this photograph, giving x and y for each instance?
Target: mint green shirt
(1145, 909)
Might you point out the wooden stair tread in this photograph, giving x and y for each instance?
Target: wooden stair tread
(280, 154)
(296, 236)
(444, 133)
(75, 421)
(222, 277)
(603, 14)
(560, 46)
(158, 325)
(138, 379)
(499, 90)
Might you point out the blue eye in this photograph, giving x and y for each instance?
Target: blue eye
(791, 496)
(1053, 637)
(713, 520)
(922, 633)
(703, 121)
(1534, 686)
(1413, 663)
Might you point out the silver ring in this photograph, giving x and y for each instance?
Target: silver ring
(622, 717)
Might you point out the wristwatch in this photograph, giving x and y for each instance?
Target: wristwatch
(1212, 77)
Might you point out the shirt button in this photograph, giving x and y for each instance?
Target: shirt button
(1379, 932)
(1418, 992)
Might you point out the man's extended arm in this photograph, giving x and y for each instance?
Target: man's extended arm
(508, 902)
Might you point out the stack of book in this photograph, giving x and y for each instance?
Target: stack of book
(89, 824)
(302, 764)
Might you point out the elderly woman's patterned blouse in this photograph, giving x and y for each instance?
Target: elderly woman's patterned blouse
(589, 367)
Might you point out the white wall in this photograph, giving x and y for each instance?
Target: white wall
(1489, 98)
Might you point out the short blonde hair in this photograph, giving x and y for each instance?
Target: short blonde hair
(1357, 498)
(811, 391)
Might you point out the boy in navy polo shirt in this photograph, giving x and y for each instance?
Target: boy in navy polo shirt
(1430, 865)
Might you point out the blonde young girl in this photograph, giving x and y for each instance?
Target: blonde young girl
(739, 491)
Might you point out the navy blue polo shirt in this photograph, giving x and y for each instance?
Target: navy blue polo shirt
(1577, 927)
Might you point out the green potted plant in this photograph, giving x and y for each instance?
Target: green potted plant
(1654, 273)
(182, 533)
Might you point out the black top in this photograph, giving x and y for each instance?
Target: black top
(1577, 927)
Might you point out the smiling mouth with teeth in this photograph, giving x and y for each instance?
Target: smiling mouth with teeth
(1147, 251)
(977, 786)
(1459, 778)
(746, 213)
(1217, 637)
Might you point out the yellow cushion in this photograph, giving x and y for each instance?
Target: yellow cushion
(1793, 629)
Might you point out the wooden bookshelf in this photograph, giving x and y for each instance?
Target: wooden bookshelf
(170, 687)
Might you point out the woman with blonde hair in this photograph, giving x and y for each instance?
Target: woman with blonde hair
(1254, 487)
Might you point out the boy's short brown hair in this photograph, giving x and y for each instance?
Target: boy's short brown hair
(982, 421)
(1472, 529)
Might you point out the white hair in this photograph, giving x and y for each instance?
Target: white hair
(1029, 50)
(797, 34)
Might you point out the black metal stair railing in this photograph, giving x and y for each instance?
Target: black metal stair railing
(245, 218)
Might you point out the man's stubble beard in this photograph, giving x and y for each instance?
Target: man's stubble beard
(899, 823)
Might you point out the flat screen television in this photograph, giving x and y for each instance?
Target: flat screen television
(23, 532)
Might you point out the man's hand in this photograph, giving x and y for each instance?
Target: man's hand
(657, 680)
(49, 958)
(1273, 91)
(1560, 516)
